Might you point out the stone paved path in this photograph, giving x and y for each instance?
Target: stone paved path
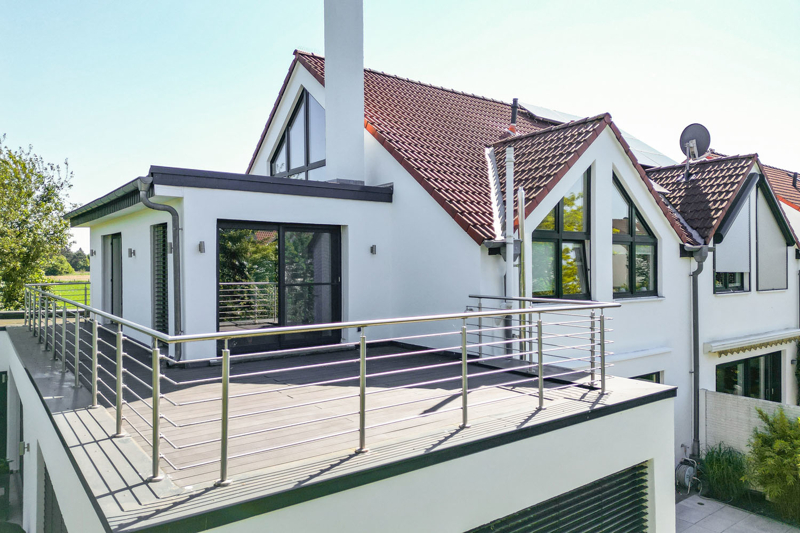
(701, 515)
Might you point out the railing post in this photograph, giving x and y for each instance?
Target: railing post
(592, 348)
(86, 296)
(77, 367)
(156, 414)
(46, 327)
(362, 396)
(25, 303)
(63, 335)
(521, 333)
(55, 324)
(120, 385)
(540, 368)
(464, 376)
(94, 362)
(223, 443)
(480, 328)
(37, 326)
(602, 352)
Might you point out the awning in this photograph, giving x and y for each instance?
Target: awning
(751, 342)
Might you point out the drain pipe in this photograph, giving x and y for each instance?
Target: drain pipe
(509, 222)
(144, 186)
(700, 254)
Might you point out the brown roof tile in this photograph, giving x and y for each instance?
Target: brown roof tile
(705, 198)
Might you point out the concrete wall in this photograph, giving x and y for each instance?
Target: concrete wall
(467, 492)
(45, 448)
(731, 419)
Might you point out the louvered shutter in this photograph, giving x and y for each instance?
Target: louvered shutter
(160, 279)
(614, 504)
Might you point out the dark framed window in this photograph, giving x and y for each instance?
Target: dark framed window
(653, 377)
(301, 148)
(560, 262)
(633, 247)
(755, 377)
(731, 282)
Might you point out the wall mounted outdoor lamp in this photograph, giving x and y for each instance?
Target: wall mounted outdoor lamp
(202, 247)
(131, 252)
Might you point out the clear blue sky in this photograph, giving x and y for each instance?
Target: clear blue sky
(118, 86)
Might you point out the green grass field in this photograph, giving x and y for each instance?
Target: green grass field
(73, 291)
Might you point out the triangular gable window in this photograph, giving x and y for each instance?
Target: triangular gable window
(633, 247)
(301, 148)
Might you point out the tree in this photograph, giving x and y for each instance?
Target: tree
(79, 261)
(32, 228)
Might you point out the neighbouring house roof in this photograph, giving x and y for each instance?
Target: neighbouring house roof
(714, 187)
(781, 181)
(543, 157)
(646, 155)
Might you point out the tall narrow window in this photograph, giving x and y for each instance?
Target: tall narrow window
(633, 248)
(559, 265)
(301, 148)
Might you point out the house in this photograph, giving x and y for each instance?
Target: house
(338, 328)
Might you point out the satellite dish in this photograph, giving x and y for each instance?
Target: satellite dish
(695, 141)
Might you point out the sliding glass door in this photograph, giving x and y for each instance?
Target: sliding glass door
(278, 275)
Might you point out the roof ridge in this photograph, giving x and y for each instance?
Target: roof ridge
(704, 161)
(713, 151)
(418, 82)
(606, 116)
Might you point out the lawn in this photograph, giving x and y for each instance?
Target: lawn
(77, 291)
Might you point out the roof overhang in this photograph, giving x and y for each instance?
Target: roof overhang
(128, 195)
(752, 342)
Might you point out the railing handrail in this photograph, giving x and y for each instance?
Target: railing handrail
(228, 283)
(48, 284)
(584, 303)
(311, 328)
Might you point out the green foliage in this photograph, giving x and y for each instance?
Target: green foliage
(723, 470)
(774, 462)
(79, 261)
(5, 466)
(32, 227)
(58, 266)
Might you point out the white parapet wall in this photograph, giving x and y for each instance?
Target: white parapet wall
(731, 419)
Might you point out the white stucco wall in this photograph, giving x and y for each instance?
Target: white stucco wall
(467, 492)
(45, 448)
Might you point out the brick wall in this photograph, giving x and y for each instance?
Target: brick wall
(731, 419)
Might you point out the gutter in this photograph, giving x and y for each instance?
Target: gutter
(700, 254)
(144, 184)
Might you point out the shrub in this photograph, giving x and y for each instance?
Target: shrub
(774, 462)
(723, 470)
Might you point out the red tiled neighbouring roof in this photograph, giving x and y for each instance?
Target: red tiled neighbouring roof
(438, 135)
(705, 198)
(542, 158)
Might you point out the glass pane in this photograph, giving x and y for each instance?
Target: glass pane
(645, 267)
(309, 304)
(640, 227)
(620, 264)
(573, 269)
(248, 278)
(279, 161)
(317, 174)
(297, 176)
(574, 213)
(307, 257)
(549, 222)
(316, 131)
(719, 280)
(620, 223)
(734, 280)
(297, 139)
(543, 268)
(730, 380)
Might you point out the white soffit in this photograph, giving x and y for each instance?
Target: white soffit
(645, 154)
(733, 253)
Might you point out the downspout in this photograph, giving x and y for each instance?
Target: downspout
(144, 186)
(700, 254)
(509, 222)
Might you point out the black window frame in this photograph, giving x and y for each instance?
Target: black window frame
(559, 237)
(651, 377)
(724, 287)
(632, 239)
(770, 374)
(285, 141)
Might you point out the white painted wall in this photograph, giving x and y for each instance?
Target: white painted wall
(470, 491)
(45, 448)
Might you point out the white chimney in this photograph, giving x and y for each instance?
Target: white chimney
(344, 89)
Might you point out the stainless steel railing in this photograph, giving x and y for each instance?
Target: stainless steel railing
(532, 350)
(244, 304)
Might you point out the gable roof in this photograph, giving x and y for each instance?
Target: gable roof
(781, 182)
(543, 157)
(705, 198)
(438, 135)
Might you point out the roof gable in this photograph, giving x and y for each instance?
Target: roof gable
(438, 135)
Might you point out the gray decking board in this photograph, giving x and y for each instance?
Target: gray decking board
(116, 469)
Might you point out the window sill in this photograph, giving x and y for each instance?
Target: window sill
(731, 293)
(635, 299)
